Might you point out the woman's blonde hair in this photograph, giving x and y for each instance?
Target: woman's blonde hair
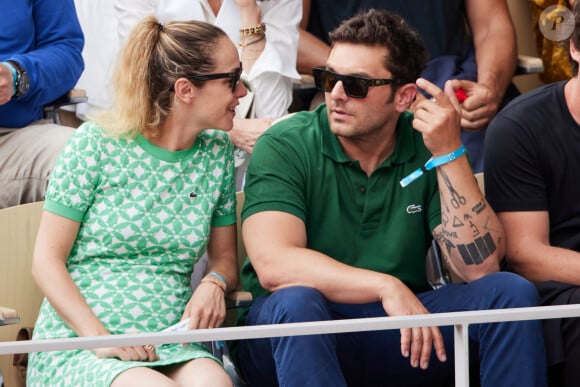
(153, 58)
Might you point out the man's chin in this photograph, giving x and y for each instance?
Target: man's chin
(340, 129)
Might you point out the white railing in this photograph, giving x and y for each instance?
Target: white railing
(460, 321)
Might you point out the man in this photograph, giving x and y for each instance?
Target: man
(531, 177)
(481, 60)
(331, 232)
(40, 60)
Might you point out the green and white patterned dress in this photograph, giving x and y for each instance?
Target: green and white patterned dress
(145, 215)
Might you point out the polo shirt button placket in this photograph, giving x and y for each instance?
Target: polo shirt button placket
(363, 190)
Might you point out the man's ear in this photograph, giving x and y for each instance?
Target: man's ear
(405, 96)
(185, 90)
(574, 53)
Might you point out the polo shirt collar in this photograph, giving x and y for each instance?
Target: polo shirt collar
(404, 147)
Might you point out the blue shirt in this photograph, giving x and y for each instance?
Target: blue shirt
(46, 39)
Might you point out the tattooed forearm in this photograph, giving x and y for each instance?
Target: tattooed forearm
(487, 226)
(457, 200)
(457, 222)
(478, 251)
(472, 226)
(441, 238)
(479, 207)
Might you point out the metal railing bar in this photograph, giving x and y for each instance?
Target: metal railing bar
(293, 329)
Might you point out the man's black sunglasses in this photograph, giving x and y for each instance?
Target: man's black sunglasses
(354, 86)
(233, 78)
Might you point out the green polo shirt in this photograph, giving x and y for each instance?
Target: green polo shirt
(299, 167)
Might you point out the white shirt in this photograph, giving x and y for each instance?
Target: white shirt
(97, 19)
(272, 74)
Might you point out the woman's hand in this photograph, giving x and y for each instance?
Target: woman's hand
(206, 308)
(247, 130)
(145, 353)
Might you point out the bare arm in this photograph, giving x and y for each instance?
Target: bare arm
(252, 45)
(312, 52)
(496, 55)
(529, 251)
(54, 242)
(471, 236)
(221, 252)
(276, 245)
(247, 130)
(206, 308)
(56, 236)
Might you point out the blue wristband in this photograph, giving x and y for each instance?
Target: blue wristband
(219, 276)
(14, 77)
(433, 162)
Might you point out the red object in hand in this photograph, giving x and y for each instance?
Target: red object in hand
(461, 95)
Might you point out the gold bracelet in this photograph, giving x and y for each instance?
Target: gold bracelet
(244, 44)
(214, 281)
(253, 30)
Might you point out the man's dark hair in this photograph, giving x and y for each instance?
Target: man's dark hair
(407, 55)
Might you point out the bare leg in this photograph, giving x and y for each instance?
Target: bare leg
(200, 372)
(143, 377)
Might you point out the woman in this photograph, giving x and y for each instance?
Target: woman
(266, 33)
(132, 204)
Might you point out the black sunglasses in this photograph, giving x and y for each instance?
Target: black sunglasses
(354, 86)
(233, 78)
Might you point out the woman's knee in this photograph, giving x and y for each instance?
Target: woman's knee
(142, 376)
(201, 372)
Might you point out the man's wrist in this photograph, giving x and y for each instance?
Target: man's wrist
(435, 162)
(14, 77)
(432, 163)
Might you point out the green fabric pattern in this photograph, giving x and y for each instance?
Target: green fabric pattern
(145, 215)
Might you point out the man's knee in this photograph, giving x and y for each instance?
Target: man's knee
(511, 291)
(294, 304)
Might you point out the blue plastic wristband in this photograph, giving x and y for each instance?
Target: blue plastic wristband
(14, 77)
(433, 162)
(219, 276)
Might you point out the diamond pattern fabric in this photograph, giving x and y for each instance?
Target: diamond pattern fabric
(145, 215)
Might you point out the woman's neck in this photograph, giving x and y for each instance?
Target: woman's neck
(215, 6)
(172, 135)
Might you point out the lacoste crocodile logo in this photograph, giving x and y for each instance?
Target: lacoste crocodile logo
(414, 208)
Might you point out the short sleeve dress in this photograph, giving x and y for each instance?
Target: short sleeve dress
(145, 215)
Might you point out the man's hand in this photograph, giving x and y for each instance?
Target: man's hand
(6, 84)
(416, 343)
(438, 118)
(479, 107)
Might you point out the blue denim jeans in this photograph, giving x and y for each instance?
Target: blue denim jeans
(509, 354)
